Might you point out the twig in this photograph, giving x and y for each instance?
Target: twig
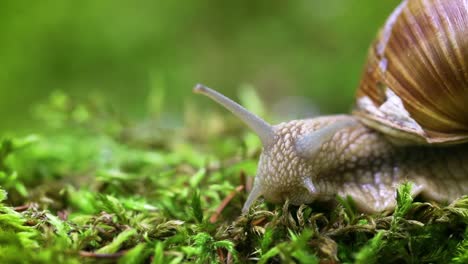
(88, 254)
(229, 259)
(222, 258)
(22, 208)
(259, 221)
(224, 203)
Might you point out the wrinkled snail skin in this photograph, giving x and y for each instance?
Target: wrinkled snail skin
(359, 162)
(410, 122)
(319, 158)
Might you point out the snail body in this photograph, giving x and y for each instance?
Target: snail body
(410, 121)
(357, 161)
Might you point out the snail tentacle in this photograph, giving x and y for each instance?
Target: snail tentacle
(253, 196)
(263, 130)
(310, 144)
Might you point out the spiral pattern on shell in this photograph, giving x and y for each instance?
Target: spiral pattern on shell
(415, 82)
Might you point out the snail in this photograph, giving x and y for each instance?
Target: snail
(410, 121)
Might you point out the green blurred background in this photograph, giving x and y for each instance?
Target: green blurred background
(124, 51)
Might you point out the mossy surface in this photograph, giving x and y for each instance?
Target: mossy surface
(94, 187)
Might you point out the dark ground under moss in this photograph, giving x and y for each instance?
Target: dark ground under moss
(94, 187)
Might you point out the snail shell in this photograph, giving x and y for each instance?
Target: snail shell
(415, 83)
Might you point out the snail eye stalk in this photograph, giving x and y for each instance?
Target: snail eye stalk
(258, 125)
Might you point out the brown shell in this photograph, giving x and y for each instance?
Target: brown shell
(420, 57)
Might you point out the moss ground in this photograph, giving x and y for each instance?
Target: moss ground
(93, 187)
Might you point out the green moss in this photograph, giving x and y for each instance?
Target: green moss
(94, 189)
